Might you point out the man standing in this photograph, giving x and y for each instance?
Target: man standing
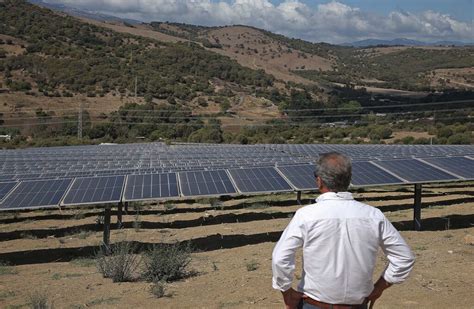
(340, 239)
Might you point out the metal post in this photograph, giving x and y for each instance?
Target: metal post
(126, 208)
(298, 197)
(417, 208)
(136, 84)
(119, 216)
(79, 121)
(106, 241)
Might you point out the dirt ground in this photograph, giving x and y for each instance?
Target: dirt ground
(51, 251)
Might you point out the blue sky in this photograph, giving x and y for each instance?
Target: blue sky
(333, 21)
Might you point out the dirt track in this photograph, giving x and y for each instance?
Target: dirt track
(229, 237)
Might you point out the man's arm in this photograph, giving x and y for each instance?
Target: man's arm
(380, 286)
(283, 260)
(291, 298)
(400, 257)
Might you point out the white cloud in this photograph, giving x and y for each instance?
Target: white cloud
(333, 21)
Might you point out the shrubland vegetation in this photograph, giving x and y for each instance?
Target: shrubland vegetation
(407, 69)
(186, 31)
(62, 56)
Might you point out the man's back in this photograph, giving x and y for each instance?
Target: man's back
(340, 239)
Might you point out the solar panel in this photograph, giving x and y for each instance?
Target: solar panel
(151, 186)
(301, 177)
(195, 183)
(415, 171)
(95, 190)
(6, 187)
(7, 177)
(36, 194)
(366, 173)
(461, 166)
(255, 180)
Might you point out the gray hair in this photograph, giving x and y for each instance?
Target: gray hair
(335, 170)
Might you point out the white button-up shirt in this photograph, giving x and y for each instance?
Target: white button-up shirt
(340, 239)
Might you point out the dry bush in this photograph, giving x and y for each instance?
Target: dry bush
(121, 264)
(167, 262)
(39, 300)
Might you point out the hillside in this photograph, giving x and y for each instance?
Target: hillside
(294, 60)
(215, 84)
(52, 56)
(405, 68)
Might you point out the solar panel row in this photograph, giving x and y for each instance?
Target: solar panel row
(150, 186)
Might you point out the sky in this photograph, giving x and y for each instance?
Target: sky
(336, 21)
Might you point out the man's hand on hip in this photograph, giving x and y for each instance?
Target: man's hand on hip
(379, 287)
(291, 298)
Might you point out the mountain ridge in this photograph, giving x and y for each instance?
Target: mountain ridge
(403, 42)
(83, 13)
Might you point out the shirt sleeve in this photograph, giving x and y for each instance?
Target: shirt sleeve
(399, 255)
(283, 257)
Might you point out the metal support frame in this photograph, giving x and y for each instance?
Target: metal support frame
(119, 216)
(126, 208)
(417, 208)
(106, 240)
(298, 197)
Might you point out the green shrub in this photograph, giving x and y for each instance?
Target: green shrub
(252, 266)
(39, 300)
(167, 262)
(121, 265)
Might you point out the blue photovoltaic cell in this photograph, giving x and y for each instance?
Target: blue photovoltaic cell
(365, 173)
(6, 187)
(151, 186)
(461, 166)
(196, 183)
(7, 177)
(95, 190)
(37, 193)
(300, 176)
(254, 180)
(414, 170)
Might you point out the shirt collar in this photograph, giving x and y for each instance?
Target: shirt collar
(334, 196)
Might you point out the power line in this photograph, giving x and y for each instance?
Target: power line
(79, 122)
(211, 125)
(34, 110)
(283, 110)
(258, 118)
(379, 106)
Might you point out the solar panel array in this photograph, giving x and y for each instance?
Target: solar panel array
(197, 183)
(36, 194)
(366, 173)
(95, 190)
(301, 177)
(257, 180)
(152, 186)
(80, 175)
